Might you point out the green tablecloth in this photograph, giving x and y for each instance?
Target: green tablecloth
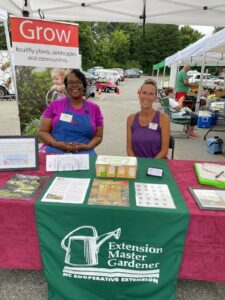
(111, 253)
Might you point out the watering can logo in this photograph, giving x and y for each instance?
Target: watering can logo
(82, 245)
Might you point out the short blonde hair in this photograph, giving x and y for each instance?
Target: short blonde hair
(58, 71)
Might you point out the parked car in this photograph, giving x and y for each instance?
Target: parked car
(209, 81)
(91, 85)
(121, 73)
(109, 74)
(132, 74)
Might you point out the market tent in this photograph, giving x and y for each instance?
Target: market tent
(202, 12)
(158, 66)
(213, 45)
(208, 50)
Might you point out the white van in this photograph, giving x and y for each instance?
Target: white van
(109, 75)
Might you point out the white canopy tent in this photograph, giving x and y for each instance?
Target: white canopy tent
(208, 51)
(192, 12)
(214, 45)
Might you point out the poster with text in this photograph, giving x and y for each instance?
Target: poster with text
(43, 53)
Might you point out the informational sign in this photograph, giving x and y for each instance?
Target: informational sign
(41, 43)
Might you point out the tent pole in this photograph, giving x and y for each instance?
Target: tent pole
(10, 57)
(197, 106)
(163, 78)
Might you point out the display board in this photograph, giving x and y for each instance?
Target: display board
(18, 153)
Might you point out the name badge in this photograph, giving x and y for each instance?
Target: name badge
(153, 126)
(66, 117)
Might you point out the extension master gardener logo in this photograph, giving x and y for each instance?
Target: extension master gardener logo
(123, 262)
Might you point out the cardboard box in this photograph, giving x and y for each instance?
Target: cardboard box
(101, 170)
(110, 171)
(116, 166)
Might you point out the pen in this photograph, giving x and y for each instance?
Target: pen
(218, 175)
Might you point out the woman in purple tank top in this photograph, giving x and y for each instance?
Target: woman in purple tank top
(148, 131)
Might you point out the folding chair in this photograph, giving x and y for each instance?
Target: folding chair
(172, 146)
(184, 121)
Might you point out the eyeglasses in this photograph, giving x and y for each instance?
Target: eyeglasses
(77, 82)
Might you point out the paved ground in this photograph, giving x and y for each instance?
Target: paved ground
(31, 285)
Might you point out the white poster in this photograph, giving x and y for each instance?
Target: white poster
(41, 43)
(43, 53)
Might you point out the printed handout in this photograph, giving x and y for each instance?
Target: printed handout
(67, 162)
(23, 187)
(67, 190)
(153, 195)
(109, 192)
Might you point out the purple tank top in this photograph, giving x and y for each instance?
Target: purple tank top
(146, 141)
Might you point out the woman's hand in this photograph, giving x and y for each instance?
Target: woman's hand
(66, 147)
(71, 147)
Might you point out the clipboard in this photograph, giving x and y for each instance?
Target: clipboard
(210, 174)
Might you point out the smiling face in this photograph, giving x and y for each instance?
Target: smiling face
(75, 87)
(57, 79)
(147, 95)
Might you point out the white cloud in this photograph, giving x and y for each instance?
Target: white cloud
(204, 29)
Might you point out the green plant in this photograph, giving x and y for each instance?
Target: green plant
(32, 127)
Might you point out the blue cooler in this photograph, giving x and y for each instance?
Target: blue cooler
(214, 145)
(204, 121)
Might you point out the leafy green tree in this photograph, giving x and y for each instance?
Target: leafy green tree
(102, 53)
(119, 48)
(86, 44)
(216, 29)
(32, 88)
(159, 42)
(134, 31)
(189, 36)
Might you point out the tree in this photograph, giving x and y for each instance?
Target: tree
(189, 36)
(32, 87)
(102, 53)
(159, 42)
(119, 48)
(86, 46)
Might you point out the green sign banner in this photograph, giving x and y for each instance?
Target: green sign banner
(92, 252)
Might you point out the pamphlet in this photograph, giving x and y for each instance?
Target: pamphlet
(67, 190)
(153, 195)
(23, 187)
(109, 192)
(67, 162)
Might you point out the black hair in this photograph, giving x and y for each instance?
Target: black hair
(169, 90)
(78, 74)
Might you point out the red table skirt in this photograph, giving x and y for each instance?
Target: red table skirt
(204, 253)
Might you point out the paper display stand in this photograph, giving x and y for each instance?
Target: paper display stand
(210, 174)
(18, 153)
